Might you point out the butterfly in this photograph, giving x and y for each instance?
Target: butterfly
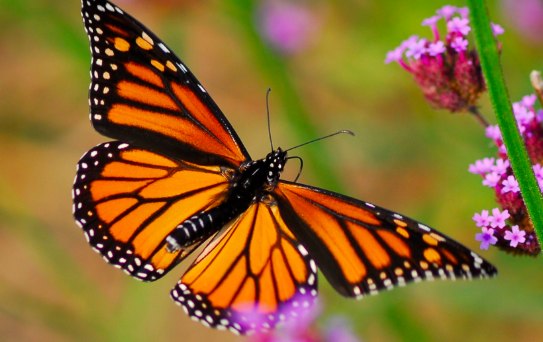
(178, 176)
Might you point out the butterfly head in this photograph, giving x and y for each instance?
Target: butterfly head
(275, 163)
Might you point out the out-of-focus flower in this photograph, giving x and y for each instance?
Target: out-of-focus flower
(299, 326)
(526, 17)
(338, 330)
(296, 313)
(286, 26)
(445, 68)
(509, 227)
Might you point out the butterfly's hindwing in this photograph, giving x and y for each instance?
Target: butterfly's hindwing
(362, 248)
(252, 276)
(128, 200)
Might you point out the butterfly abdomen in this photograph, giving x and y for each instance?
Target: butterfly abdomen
(247, 187)
(202, 225)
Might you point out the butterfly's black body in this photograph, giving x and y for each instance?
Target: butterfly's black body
(251, 183)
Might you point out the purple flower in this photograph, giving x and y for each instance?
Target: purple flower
(459, 44)
(538, 171)
(497, 29)
(482, 219)
(299, 326)
(529, 100)
(416, 49)
(493, 132)
(432, 21)
(522, 114)
(500, 177)
(463, 11)
(510, 185)
(448, 73)
(502, 149)
(501, 166)
(446, 11)
(394, 55)
(436, 48)
(339, 330)
(298, 314)
(486, 238)
(515, 236)
(482, 166)
(491, 179)
(497, 220)
(286, 26)
(409, 41)
(460, 25)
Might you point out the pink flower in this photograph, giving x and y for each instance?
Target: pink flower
(436, 48)
(445, 69)
(447, 11)
(497, 220)
(459, 25)
(395, 55)
(460, 44)
(416, 49)
(493, 132)
(516, 236)
(482, 219)
(501, 166)
(499, 176)
(482, 166)
(510, 185)
(497, 29)
(491, 179)
(287, 26)
(526, 17)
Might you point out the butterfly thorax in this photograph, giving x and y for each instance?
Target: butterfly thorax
(251, 183)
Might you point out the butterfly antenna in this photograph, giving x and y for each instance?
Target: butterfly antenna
(268, 115)
(301, 166)
(343, 131)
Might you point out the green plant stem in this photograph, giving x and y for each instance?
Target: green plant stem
(516, 151)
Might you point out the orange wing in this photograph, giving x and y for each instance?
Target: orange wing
(251, 276)
(362, 248)
(143, 94)
(127, 200)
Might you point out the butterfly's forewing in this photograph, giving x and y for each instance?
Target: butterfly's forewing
(142, 93)
(362, 249)
(127, 200)
(251, 276)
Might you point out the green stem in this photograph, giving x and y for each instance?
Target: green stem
(516, 151)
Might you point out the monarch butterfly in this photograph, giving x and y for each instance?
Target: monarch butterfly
(179, 175)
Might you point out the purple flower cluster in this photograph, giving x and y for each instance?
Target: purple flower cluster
(445, 68)
(301, 327)
(511, 229)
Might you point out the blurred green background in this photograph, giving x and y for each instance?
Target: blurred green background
(405, 156)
